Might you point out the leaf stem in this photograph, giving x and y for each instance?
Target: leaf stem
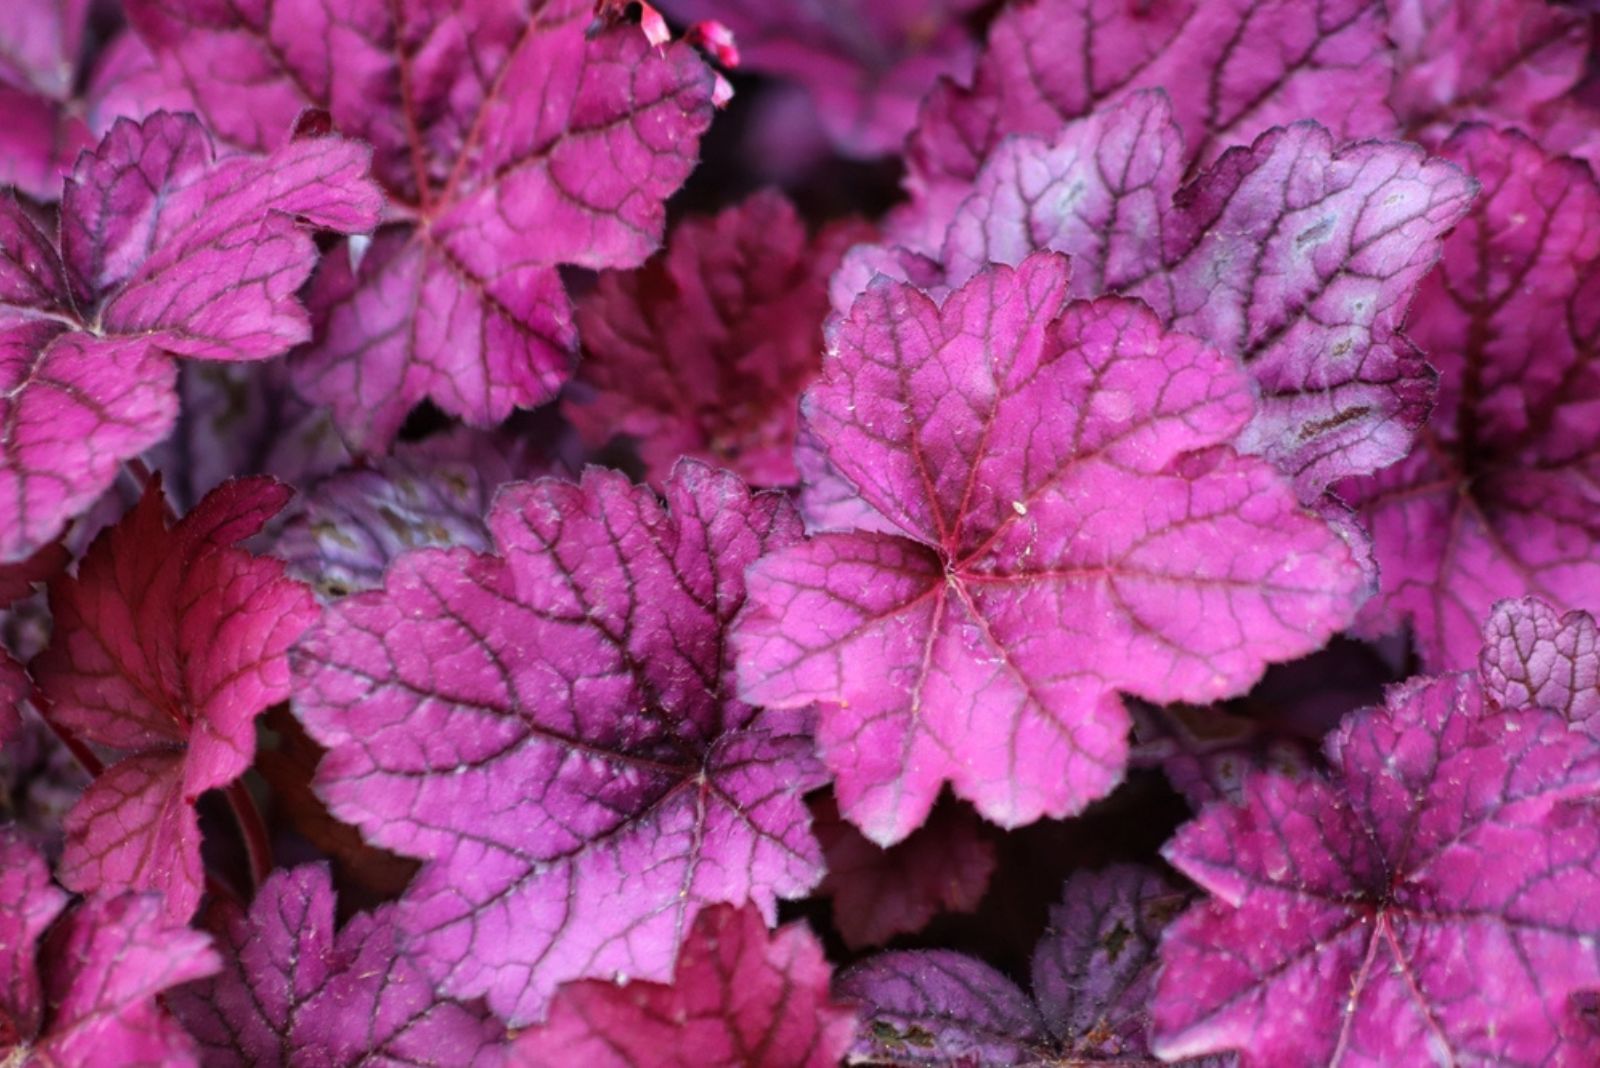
(252, 829)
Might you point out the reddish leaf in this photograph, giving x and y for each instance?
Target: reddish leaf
(168, 642)
(164, 249)
(89, 991)
(867, 65)
(1420, 907)
(509, 142)
(1534, 656)
(878, 893)
(554, 730)
(740, 998)
(1074, 521)
(1498, 500)
(704, 351)
(293, 992)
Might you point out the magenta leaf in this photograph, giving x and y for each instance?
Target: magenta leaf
(1235, 69)
(867, 65)
(554, 729)
(878, 893)
(168, 642)
(1093, 973)
(741, 997)
(16, 582)
(40, 41)
(1070, 508)
(165, 249)
(1420, 906)
(704, 351)
(88, 992)
(1295, 254)
(1535, 656)
(1497, 501)
(341, 533)
(292, 991)
(1493, 61)
(509, 143)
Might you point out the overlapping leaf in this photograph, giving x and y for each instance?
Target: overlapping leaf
(292, 991)
(878, 893)
(343, 532)
(1295, 254)
(1073, 521)
(1502, 62)
(168, 642)
(89, 995)
(704, 351)
(740, 998)
(509, 144)
(164, 249)
(1093, 973)
(1535, 656)
(1422, 906)
(867, 65)
(1498, 499)
(555, 730)
(1235, 69)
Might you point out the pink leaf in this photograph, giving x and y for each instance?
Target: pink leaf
(1494, 61)
(554, 729)
(1073, 521)
(510, 144)
(1497, 501)
(704, 351)
(1235, 69)
(1296, 255)
(878, 893)
(1534, 656)
(88, 991)
(292, 991)
(1420, 906)
(164, 250)
(740, 998)
(168, 643)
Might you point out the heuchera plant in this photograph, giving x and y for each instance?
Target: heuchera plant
(1100, 567)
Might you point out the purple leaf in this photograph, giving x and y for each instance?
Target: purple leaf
(704, 351)
(740, 998)
(165, 249)
(509, 143)
(90, 990)
(1534, 656)
(1296, 255)
(1419, 906)
(40, 41)
(168, 642)
(1497, 501)
(1493, 61)
(554, 729)
(1073, 521)
(867, 65)
(878, 893)
(1208, 754)
(341, 534)
(1235, 69)
(293, 992)
(1093, 973)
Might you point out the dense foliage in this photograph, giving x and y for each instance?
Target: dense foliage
(781, 533)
